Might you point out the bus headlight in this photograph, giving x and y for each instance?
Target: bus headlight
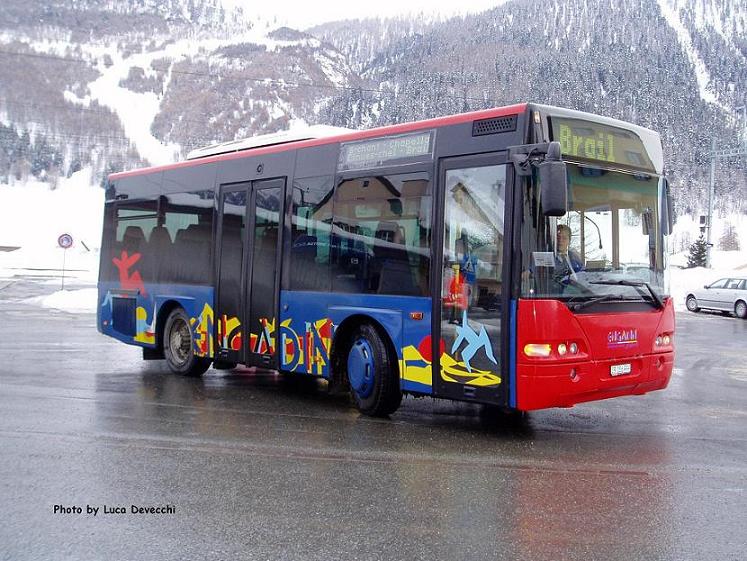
(663, 340)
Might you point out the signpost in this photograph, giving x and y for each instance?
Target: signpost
(65, 241)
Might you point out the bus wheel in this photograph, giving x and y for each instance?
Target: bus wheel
(740, 310)
(692, 304)
(178, 348)
(372, 373)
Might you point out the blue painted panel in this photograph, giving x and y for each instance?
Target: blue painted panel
(197, 302)
(390, 320)
(308, 321)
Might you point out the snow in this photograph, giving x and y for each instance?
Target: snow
(726, 264)
(136, 111)
(330, 68)
(73, 98)
(303, 15)
(686, 231)
(32, 217)
(728, 18)
(48, 260)
(669, 10)
(75, 301)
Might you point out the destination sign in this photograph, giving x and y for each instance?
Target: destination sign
(603, 143)
(385, 151)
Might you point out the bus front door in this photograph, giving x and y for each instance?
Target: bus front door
(229, 300)
(249, 242)
(263, 271)
(469, 313)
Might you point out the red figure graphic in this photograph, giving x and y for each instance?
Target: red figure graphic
(127, 281)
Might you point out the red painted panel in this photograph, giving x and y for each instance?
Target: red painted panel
(604, 340)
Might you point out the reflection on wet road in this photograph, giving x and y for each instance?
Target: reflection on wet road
(260, 466)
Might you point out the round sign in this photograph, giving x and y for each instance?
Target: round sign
(65, 241)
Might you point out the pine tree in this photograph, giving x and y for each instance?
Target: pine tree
(729, 240)
(698, 251)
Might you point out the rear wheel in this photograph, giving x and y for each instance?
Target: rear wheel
(740, 309)
(178, 347)
(372, 373)
(692, 304)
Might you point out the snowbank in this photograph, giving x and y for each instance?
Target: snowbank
(44, 261)
(76, 301)
(725, 264)
(32, 217)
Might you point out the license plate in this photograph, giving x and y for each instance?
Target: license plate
(619, 369)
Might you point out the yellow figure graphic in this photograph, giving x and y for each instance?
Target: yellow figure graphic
(453, 371)
(144, 332)
(203, 331)
(229, 335)
(414, 368)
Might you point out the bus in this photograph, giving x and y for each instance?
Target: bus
(428, 258)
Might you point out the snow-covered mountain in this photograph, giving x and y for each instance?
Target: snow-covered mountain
(119, 83)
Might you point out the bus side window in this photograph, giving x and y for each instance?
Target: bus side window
(311, 228)
(134, 223)
(382, 235)
(187, 259)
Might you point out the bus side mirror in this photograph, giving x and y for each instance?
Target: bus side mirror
(554, 182)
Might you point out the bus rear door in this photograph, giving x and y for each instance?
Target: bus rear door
(249, 246)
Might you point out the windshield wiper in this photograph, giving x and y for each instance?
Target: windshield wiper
(603, 298)
(657, 301)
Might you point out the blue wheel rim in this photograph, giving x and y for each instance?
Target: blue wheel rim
(361, 368)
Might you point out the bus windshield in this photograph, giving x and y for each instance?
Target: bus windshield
(610, 243)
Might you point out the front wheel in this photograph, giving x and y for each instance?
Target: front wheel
(372, 373)
(178, 347)
(692, 304)
(740, 309)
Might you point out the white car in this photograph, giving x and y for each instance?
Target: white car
(726, 295)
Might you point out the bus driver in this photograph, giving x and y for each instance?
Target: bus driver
(567, 261)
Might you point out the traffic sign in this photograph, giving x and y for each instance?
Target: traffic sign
(65, 241)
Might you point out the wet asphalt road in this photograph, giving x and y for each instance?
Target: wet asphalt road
(258, 467)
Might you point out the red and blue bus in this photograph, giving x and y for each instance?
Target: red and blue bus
(515, 256)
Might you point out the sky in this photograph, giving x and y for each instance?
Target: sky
(303, 14)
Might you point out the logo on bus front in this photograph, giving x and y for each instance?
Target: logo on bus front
(622, 338)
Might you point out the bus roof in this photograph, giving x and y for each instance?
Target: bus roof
(353, 135)
(280, 142)
(272, 139)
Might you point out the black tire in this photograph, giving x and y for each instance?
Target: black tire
(740, 309)
(178, 346)
(692, 303)
(372, 372)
